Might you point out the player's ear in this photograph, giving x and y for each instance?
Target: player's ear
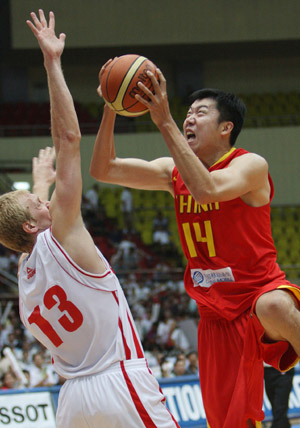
(29, 227)
(226, 127)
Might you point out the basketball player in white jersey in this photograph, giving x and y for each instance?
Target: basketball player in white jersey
(70, 299)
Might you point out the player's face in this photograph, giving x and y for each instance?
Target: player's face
(201, 126)
(39, 210)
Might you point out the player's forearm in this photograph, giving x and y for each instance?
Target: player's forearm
(66, 138)
(104, 148)
(64, 122)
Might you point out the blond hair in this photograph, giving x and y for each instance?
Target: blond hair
(12, 217)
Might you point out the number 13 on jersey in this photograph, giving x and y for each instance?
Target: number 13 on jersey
(70, 320)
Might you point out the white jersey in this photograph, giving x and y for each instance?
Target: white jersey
(82, 318)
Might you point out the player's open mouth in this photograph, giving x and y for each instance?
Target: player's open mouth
(190, 136)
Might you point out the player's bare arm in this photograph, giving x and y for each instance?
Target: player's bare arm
(130, 172)
(64, 125)
(65, 207)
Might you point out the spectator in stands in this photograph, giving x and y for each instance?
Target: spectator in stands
(127, 245)
(27, 376)
(128, 256)
(166, 367)
(141, 292)
(12, 342)
(119, 262)
(115, 233)
(145, 321)
(166, 326)
(127, 210)
(160, 222)
(151, 340)
(179, 368)
(162, 269)
(161, 233)
(5, 362)
(41, 374)
(178, 338)
(130, 285)
(90, 205)
(92, 198)
(8, 381)
(101, 226)
(25, 355)
(6, 328)
(193, 364)
(181, 355)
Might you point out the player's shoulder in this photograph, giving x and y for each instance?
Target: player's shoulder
(251, 159)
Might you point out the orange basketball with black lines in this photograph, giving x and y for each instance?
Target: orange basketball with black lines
(119, 84)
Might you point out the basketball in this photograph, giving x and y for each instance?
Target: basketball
(119, 84)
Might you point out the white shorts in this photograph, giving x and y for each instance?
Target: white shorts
(126, 395)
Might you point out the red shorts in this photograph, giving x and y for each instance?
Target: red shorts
(231, 355)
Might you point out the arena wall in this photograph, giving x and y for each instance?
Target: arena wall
(280, 146)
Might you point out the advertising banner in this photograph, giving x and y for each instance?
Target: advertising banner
(27, 410)
(184, 401)
(35, 408)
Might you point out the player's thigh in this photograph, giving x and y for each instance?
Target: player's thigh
(275, 310)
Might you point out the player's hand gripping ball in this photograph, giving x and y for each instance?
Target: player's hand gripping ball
(119, 84)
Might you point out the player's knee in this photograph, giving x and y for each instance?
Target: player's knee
(272, 305)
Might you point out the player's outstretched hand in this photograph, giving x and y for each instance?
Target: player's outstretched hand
(50, 45)
(43, 172)
(156, 102)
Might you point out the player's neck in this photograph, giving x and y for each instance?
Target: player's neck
(210, 159)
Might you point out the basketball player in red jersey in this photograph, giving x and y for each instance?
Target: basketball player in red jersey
(248, 310)
(70, 299)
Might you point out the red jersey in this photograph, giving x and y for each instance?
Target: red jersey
(229, 248)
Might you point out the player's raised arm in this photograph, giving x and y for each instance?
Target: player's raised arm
(131, 172)
(64, 127)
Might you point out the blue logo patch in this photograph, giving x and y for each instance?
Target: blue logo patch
(198, 277)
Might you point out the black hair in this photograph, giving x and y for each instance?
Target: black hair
(230, 107)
